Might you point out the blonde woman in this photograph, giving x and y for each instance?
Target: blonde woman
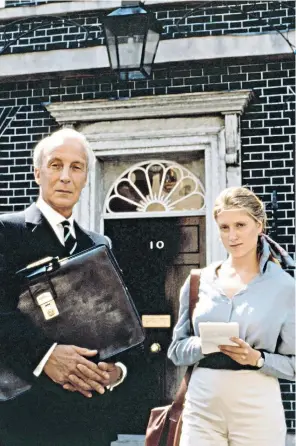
(233, 398)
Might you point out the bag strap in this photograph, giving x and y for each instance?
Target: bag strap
(193, 295)
(177, 405)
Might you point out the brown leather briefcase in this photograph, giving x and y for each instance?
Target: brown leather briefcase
(83, 300)
(80, 300)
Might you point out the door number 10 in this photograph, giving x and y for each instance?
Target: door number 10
(158, 245)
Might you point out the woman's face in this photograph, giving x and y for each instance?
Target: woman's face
(238, 231)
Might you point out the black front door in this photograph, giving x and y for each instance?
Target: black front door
(155, 256)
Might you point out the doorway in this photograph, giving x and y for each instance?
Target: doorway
(155, 255)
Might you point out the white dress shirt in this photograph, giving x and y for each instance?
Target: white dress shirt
(55, 219)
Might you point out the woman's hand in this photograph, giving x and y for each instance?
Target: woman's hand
(243, 354)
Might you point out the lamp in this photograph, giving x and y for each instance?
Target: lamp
(132, 36)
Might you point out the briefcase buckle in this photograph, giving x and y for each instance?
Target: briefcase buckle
(48, 305)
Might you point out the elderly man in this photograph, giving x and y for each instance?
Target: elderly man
(69, 403)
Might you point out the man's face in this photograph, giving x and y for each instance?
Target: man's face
(62, 175)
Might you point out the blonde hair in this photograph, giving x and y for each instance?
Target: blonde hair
(58, 138)
(241, 198)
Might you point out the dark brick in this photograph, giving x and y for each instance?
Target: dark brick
(234, 85)
(276, 122)
(20, 169)
(277, 131)
(274, 82)
(33, 191)
(262, 165)
(256, 156)
(234, 69)
(255, 124)
(234, 77)
(4, 208)
(178, 81)
(195, 72)
(253, 68)
(159, 83)
(17, 200)
(217, 87)
(274, 91)
(276, 155)
(257, 173)
(178, 90)
(7, 193)
(198, 28)
(196, 80)
(235, 25)
(261, 131)
(275, 115)
(278, 163)
(275, 74)
(215, 79)
(276, 139)
(277, 172)
(254, 76)
(19, 192)
(214, 69)
(162, 14)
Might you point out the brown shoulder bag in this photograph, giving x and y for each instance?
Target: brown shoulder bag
(165, 423)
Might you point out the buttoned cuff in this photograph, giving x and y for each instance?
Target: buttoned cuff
(124, 373)
(39, 369)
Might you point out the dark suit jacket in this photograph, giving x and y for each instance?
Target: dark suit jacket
(26, 237)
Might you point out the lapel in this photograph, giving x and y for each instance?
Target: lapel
(43, 240)
(41, 237)
(84, 240)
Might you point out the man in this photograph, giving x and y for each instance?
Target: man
(68, 403)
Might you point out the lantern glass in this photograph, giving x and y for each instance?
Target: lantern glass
(132, 37)
(130, 50)
(112, 49)
(150, 50)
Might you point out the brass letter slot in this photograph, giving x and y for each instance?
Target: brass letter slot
(156, 320)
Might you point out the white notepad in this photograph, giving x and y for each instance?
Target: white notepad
(213, 334)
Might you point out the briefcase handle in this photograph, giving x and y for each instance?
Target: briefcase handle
(51, 263)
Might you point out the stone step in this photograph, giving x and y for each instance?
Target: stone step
(129, 440)
(139, 440)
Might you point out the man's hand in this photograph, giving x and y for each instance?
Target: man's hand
(62, 364)
(106, 374)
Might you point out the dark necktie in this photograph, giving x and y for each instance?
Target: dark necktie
(70, 241)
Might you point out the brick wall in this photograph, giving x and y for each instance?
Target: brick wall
(267, 125)
(16, 3)
(268, 133)
(214, 18)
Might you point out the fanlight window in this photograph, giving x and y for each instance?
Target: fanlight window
(156, 186)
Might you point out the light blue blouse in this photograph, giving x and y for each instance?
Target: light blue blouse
(264, 309)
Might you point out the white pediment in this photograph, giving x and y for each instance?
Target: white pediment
(187, 104)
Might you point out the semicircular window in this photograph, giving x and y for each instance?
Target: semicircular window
(156, 186)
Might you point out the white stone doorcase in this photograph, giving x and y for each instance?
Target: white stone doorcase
(172, 128)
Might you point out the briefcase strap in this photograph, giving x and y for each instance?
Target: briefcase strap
(177, 405)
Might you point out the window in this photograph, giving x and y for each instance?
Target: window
(156, 186)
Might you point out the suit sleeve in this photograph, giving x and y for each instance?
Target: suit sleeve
(22, 344)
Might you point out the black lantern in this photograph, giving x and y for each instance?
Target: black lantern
(132, 37)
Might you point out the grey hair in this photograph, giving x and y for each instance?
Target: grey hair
(58, 138)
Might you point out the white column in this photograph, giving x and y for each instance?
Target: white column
(215, 183)
(233, 150)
